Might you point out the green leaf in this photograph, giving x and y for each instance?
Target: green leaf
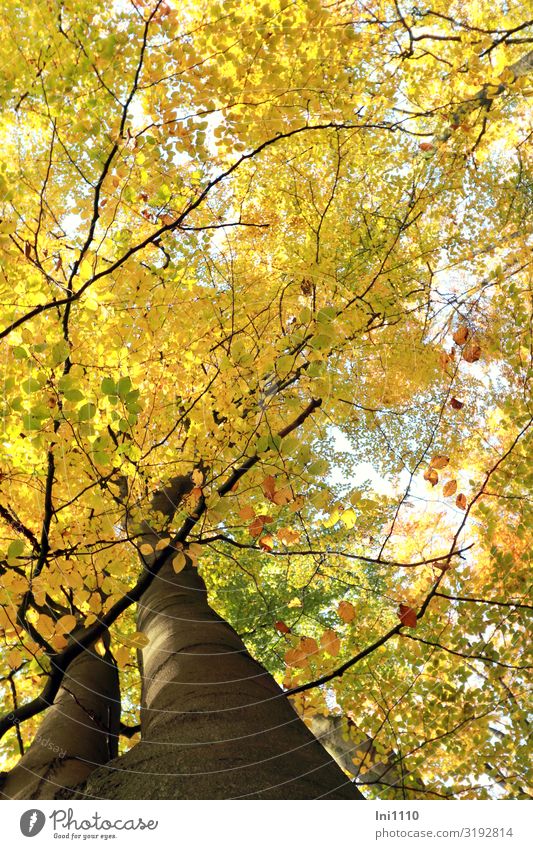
(262, 444)
(60, 352)
(15, 549)
(30, 385)
(108, 386)
(87, 412)
(73, 395)
(123, 386)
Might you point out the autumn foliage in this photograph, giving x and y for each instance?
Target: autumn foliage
(279, 251)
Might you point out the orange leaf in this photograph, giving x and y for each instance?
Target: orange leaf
(425, 146)
(461, 335)
(346, 611)
(296, 657)
(266, 542)
(288, 536)
(461, 501)
(472, 352)
(439, 461)
(449, 488)
(407, 616)
(308, 645)
(431, 476)
(282, 627)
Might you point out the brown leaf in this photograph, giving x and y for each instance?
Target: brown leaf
(461, 501)
(269, 487)
(461, 335)
(256, 527)
(439, 461)
(471, 352)
(432, 476)
(346, 611)
(444, 359)
(407, 616)
(282, 496)
(246, 513)
(456, 404)
(282, 627)
(449, 488)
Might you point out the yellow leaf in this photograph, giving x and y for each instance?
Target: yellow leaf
(330, 642)
(66, 623)
(122, 655)
(198, 477)
(349, 518)
(137, 640)
(179, 562)
(14, 658)
(45, 625)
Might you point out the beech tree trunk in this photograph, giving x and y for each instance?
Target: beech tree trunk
(215, 725)
(79, 732)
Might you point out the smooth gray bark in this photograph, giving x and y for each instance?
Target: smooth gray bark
(79, 732)
(215, 725)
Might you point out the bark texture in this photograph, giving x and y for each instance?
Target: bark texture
(215, 725)
(78, 733)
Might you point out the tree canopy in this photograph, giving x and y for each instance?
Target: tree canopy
(278, 250)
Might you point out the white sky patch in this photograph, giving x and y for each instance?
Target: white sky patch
(362, 472)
